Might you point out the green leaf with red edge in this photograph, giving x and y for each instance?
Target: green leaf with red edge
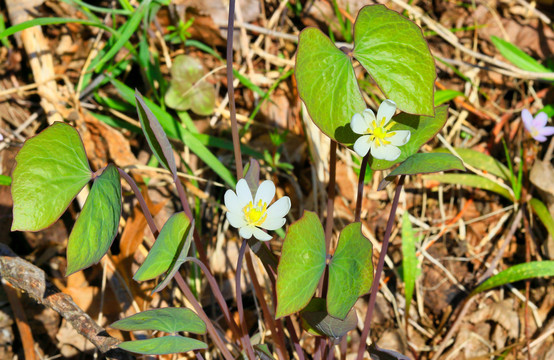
(98, 223)
(166, 249)
(173, 344)
(350, 271)
(394, 52)
(51, 170)
(422, 129)
(155, 135)
(169, 320)
(301, 265)
(327, 84)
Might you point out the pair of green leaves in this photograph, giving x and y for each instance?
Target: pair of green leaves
(394, 52)
(51, 170)
(303, 262)
(169, 320)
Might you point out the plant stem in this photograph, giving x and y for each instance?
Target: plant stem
(218, 295)
(188, 212)
(377, 278)
(294, 338)
(275, 327)
(360, 194)
(180, 281)
(231, 90)
(247, 345)
(331, 195)
(142, 202)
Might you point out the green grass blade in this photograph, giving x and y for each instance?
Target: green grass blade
(127, 31)
(175, 130)
(409, 260)
(544, 215)
(53, 21)
(516, 273)
(517, 56)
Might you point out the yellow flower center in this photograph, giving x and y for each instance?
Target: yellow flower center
(255, 215)
(379, 134)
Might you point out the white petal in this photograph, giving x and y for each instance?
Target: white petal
(369, 117)
(232, 202)
(361, 146)
(261, 235)
(273, 223)
(358, 124)
(243, 193)
(265, 192)
(279, 208)
(386, 110)
(236, 219)
(385, 152)
(246, 232)
(400, 137)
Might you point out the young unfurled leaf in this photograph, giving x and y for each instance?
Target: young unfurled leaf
(97, 225)
(163, 345)
(51, 170)
(166, 248)
(155, 135)
(177, 262)
(169, 320)
(425, 163)
(187, 89)
(350, 271)
(301, 265)
(516, 273)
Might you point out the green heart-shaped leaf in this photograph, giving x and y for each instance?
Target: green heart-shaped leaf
(97, 225)
(169, 320)
(327, 85)
(422, 129)
(350, 271)
(317, 322)
(187, 89)
(51, 169)
(301, 265)
(394, 52)
(165, 249)
(163, 345)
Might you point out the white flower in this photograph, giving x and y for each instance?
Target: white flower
(249, 215)
(376, 134)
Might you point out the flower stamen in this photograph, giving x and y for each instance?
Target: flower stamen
(255, 215)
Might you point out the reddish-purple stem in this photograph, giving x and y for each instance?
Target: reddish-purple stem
(231, 89)
(380, 264)
(246, 342)
(359, 196)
